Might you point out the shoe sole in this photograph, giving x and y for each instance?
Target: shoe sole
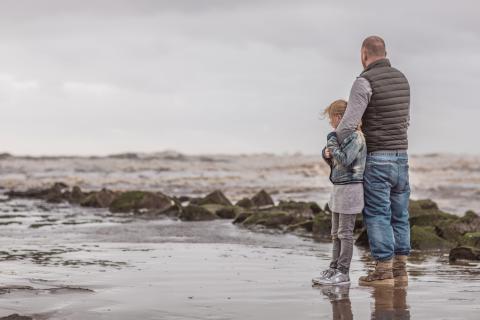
(384, 282)
(329, 283)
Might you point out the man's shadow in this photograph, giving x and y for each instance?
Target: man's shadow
(389, 303)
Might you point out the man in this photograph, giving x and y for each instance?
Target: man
(380, 98)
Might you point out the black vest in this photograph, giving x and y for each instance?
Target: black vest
(386, 119)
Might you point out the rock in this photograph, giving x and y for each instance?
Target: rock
(470, 216)
(245, 203)
(143, 202)
(127, 155)
(306, 225)
(454, 229)
(425, 238)
(327, 208)
(76, 195)
(213, 207)
(464, 253)
(196, 213)
(216, 197)
(420, 205)
(100, 199)
(241, 217)
(315, 208)
(262, 199)
(16, 316)
(362, 239)
(183, 199)
(471, 239)
(54, 194)
(426, 213)
(5, 155)
(228, 212)
(271, 219)
(305, 209)
(322, 224)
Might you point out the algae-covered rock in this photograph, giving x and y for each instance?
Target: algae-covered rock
(471, 239)
(196, 213)
(100, 199)
(327, 208)
(464, 253)
(55, 193)
(216, 197)
(212, 207)
(358, 223)
(425, 238)
(455, 229)
(421, 205)
(76, 195)
(224, 212)
(245, 203)
(271, 219)
(305, 209)
(143, 202)
(315, 208)
(426, 213)
(228, 212)
(362, 239)
(242, 216)
(262, 198)
(306, 225)
(322, 225)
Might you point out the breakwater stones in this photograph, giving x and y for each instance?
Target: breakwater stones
(431, 228)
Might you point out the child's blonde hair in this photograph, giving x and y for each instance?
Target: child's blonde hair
(337, 107)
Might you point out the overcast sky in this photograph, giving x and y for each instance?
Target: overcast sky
(100, 77)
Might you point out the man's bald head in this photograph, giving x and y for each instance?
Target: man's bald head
(373, 48)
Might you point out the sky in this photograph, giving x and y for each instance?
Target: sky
(224, 76)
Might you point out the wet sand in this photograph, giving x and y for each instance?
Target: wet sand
(98, 266)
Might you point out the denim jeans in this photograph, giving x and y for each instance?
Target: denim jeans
(387, 193)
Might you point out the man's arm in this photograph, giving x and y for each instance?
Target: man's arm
(346, 152)
(357, 104)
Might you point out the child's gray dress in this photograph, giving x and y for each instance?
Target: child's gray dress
(347, 198)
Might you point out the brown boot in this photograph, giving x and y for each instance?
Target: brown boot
(382, 275)
(400, 268)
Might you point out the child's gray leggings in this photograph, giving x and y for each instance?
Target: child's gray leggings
(342, 236)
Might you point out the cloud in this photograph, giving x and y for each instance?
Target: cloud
(9, 83)
(177, 74)
(81, 88)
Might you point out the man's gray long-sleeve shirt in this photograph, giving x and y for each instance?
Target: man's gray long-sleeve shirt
(358, 101)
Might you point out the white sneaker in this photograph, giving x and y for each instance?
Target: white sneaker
(324, 275)
(337, 278)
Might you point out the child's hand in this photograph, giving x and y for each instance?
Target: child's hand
(328, 154)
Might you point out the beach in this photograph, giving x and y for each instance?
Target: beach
(124, 268)
(64, 261)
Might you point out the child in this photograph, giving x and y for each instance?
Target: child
(347, 164)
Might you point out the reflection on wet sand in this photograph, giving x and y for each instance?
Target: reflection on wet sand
(389, 303)
(340, 300)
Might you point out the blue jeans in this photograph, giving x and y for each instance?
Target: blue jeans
(387, 193)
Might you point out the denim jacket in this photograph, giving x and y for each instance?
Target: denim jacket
(347, 163)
